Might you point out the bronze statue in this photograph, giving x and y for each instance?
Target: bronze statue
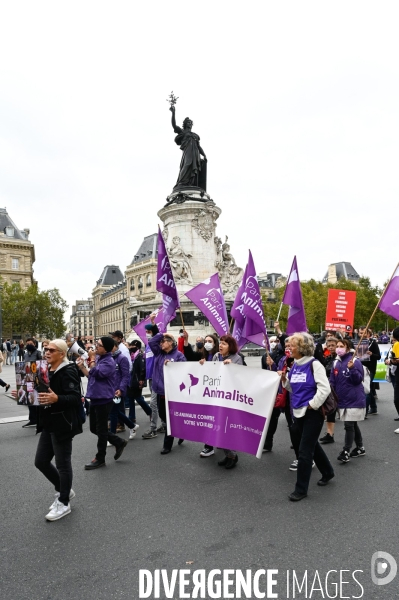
(192, 167)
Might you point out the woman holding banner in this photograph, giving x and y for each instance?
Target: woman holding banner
(228, 353)
(309, 388)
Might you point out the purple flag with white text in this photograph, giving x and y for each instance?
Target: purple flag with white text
(293, 297)
(208, 297)
(248, 309)
(389, 303)
(159, 322)
(165, 282)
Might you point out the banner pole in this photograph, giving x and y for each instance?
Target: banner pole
(279, 311)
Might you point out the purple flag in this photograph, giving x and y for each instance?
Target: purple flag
(208, 297)
(166, 283)
(159, 322)
(248, 309)
(389, 303)
(293, 297)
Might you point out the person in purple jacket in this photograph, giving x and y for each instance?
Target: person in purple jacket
(164, 348)
(347, 380)
(101, 391)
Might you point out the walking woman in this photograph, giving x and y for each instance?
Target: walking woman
(347, 380)
(228, 353)
(58, 422)
(309, 388)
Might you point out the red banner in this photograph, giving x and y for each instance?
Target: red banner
(340, 310)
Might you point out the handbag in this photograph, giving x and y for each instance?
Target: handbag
(281, 398)
(330, 404)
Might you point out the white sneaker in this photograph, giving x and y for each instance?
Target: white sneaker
(109, 444)
(294, 465)
(132, 432)
(396, 431)
(59, 511)
(57, 495)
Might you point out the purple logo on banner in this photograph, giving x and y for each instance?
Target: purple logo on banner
(208, 297)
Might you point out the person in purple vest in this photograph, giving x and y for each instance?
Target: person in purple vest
(309, 388)
(347, 380)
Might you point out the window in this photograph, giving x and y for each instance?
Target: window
(15, 264)
(10, 231)
(148, 280)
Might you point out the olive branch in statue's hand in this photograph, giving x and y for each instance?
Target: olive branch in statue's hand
(172, 101)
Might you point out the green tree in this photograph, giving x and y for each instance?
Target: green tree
(32, 312)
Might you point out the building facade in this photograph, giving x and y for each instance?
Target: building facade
(107, 307)
(141, 281)
(17, 253)
(81, 321)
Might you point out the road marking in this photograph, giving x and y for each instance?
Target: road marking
(14, 419)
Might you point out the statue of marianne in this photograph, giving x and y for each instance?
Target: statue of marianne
(190, 165)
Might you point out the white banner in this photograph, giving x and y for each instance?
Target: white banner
(227, 406)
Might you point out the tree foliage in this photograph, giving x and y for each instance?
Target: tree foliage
(32, 312)
(315, 294)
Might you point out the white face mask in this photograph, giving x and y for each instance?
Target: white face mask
(273, 345)
(208, 346)
(148, 336)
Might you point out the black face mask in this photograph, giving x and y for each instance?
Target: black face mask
(200, 345)
(30, 347)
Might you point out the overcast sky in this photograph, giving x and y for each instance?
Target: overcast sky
(296, 104)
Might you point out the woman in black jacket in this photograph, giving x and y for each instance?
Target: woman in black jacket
(58, 422)
(206, 352)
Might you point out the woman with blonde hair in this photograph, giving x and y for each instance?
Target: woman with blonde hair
(58, 422)
(309, 388)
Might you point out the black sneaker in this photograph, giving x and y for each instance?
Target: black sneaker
(28, 424)
(327, 439)
(357, 452)
(7, 387)
(148, 435)
(372, 412)
(343, 456)
(296, 496)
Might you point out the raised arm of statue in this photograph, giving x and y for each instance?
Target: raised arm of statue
(176, 129)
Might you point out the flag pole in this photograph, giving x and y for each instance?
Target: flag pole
(375, 310)
(279, 311)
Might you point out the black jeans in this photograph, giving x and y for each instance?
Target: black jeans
(305, 432)
(99, 426)
(59, 475)
(168, 439)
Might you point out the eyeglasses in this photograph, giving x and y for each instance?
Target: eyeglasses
(99, 345)
(166, 340)
(51, 350)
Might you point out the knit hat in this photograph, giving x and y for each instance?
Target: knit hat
(108, 343)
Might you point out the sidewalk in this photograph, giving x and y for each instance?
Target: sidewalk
(10, 411)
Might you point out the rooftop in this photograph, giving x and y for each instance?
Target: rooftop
(343, 269)
(111, 275)
(9, 229)
(148, 249)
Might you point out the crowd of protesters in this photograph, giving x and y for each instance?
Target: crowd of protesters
(311, 371)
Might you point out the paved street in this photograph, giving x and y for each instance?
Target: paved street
(148, 511)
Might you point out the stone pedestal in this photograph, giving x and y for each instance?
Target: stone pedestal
(189, 233)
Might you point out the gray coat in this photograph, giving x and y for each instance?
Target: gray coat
(235, 358)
